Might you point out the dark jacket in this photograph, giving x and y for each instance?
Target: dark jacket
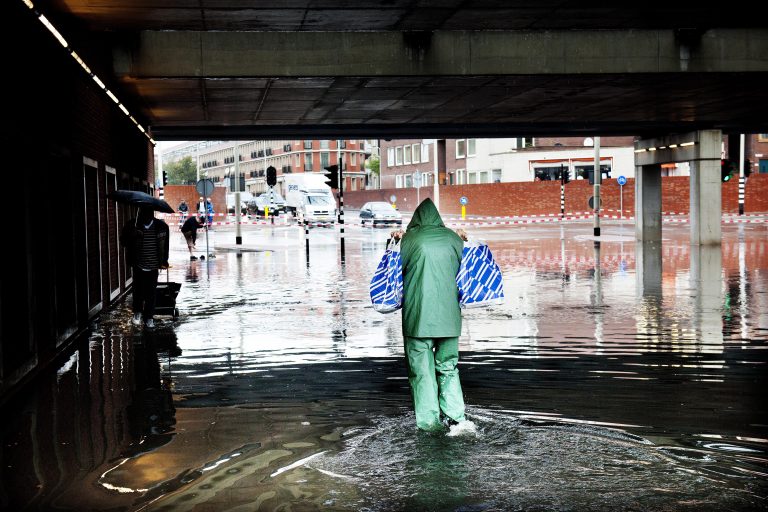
(191, 224)
(431, 256)
(131, 238)
(183, 207)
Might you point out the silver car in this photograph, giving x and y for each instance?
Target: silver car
(380, 213)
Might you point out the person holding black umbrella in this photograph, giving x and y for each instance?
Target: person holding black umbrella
(146, 240)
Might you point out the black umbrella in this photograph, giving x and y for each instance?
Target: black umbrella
(141, 199)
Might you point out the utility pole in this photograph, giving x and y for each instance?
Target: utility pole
(435, 188)
(238, 234)
(742, 184)
(596, 196)
(341, 200)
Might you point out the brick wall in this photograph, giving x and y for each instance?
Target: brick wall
(541, 198)
(173, 194)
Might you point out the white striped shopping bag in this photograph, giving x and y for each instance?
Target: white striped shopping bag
(479, 278)
(387, 281)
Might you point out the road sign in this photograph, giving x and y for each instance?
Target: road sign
(392, 198)
(591, 202)
(463, 200)
(621, 180)
(417, 179)
(204, 187)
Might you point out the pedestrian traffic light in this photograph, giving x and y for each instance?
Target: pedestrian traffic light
(165, 177)
(271, 176)
(332, 171)
(726, 170)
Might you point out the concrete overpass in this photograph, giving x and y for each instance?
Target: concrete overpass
(332, 68)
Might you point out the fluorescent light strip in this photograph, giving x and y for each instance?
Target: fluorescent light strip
(85, 67)
(684, 144)
(53, 31)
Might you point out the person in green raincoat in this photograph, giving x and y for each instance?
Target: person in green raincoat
(431, 255)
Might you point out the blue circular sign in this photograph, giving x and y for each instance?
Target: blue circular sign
(463, 200)
(622, 180)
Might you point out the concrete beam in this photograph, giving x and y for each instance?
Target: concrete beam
(456, 53)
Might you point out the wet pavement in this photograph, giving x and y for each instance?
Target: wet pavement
(628, 377)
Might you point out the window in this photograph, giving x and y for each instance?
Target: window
(471, 147)
(408, 181)
(324, 160)
(399, 181)
(483, 177)
(471, 178)
(390, 157)
(496, 176)
(416, 152)
(762, 137)
(425, 153)
(399, 155)
(461, 148)
(324, 144)
(307, 144)
(353, 159)
(407, 155)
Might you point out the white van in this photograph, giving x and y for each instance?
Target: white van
(310, 196)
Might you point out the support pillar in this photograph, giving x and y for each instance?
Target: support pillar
(648, 203)
(706, 190)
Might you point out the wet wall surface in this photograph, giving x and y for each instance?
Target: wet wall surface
(625, 377)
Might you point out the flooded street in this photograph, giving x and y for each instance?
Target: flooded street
(623, 377)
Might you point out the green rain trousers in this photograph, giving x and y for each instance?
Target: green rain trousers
(434, 380)
(431, 255)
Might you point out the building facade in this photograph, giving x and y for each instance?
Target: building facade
(220, 161)
(404, 163)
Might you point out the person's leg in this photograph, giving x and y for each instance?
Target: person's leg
(190, 242)
(421, 376)
(150, 292)
(448, 383)
(138, 294)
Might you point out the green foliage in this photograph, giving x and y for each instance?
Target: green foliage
(183, 172)
(374, 164)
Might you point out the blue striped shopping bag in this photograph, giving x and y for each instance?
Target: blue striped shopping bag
(479, 278)
(387, 281)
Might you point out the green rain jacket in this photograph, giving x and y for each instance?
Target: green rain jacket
(431, 255)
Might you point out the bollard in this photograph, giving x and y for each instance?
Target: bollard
(306, 239)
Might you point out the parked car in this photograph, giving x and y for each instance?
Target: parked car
(379, 213)
(257, 205)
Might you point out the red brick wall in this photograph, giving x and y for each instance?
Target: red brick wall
(173, 194)
(541, 198)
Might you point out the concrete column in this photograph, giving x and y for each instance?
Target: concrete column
(706, 190)
(648, 270)
(706, 281)
(648, 203)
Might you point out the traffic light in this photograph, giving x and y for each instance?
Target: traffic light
(165, 177)
(726, 169)
(747, 168)
(271, 176)
(565, 175)
(332, 171)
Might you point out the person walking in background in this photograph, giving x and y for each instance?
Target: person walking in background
(209, 210)
(189, 230)
(431, 318)
(183, 210)
(146, 240)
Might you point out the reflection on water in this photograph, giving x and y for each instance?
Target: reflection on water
(628, 377)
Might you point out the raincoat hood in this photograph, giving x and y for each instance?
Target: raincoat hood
(426, 215)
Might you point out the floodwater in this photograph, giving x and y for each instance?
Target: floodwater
(627, 377)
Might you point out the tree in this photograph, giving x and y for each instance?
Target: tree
(183, 172)
(373, 165)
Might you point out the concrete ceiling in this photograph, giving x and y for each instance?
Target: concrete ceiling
(235, 69)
